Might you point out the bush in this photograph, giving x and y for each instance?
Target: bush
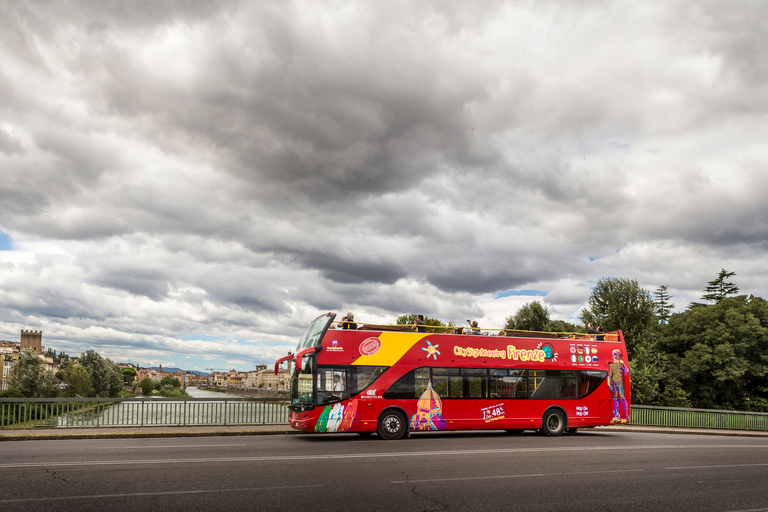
(172, 392)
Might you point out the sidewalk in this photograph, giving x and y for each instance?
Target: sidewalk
(30, 434)
(256, 430)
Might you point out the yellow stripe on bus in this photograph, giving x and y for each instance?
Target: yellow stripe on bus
(393, 347)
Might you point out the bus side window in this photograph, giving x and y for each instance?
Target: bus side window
(331, 385)
(590, 380)
(476, 382)
(520, 383)
(404, 387)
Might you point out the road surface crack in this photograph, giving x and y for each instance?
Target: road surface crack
(442, 506)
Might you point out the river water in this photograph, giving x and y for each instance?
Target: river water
(217, 409)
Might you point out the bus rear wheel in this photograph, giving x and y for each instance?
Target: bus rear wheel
(554, 422)
(391, 425)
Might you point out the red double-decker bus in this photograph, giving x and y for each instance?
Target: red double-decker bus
(389, 380)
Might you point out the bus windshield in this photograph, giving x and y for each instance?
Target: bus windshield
(314, 332)
(301, 381)
(303, 374)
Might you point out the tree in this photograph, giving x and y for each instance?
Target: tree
(147, 386)
(106, 378)
(720, 288)
(718, 354)
(430, 322)
(563, 326)
(170, 381)
(128, 375)
(619, 303)
(532, 316)
(31, 378)
(78, 380)
(663, 304)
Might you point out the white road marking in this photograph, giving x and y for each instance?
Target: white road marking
(153, 447)
(719, 466)
(342, 456)
(161, 493)
(497, 477)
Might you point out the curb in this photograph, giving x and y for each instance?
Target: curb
(682, 430)
(140, 435)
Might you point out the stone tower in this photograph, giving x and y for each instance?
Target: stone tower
(32, 340)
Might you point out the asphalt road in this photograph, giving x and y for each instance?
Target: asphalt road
(589, 471)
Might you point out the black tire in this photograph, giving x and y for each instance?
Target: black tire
(515, 431)
(392, 425)
(554, 422)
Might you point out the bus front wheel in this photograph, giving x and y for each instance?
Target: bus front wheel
(554, 422)
(392, 425)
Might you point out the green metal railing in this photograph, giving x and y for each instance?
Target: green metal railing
(697, 418)
(139, 412)
(145, 412)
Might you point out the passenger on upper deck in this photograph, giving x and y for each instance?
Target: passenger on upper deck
(347, 322)
(474, 329)
(419, 325)
(600, 331)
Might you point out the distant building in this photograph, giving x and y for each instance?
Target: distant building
(32, 340)
(9, 353)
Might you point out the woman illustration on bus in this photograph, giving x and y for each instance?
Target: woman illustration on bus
(616, 372)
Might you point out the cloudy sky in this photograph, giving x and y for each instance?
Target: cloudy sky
(190, 183)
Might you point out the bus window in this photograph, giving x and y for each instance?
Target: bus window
(590, 380)
(404, 387)
(447, 382)
(476, 380)
(569, 384)
(497, 387)
(544, 384)
(331, 385)
(361, 377)
(519, 382)
(421, 380)
(440, 384)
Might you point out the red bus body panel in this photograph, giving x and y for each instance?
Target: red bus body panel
(403, 351)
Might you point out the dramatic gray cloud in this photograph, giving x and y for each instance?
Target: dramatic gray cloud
(190, 183)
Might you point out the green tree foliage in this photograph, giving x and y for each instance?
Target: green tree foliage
(78, 380)
(619, 303)
(11, 393)
(172, 391)
(31, 378)
(106, 378)
(720, 288)
(170, 381)
(663, 304)
(718, 354)
(532, 316)
(147, 386)
(434, 323)
(128, 375)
